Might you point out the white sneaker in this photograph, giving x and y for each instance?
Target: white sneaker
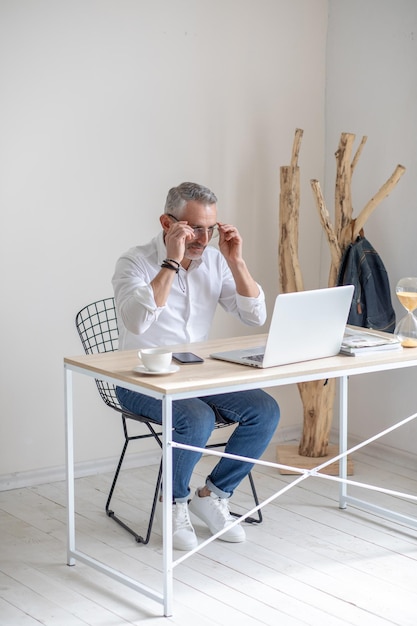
(183, 535)
(214, 512)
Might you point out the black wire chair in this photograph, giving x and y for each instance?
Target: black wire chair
(97, 327)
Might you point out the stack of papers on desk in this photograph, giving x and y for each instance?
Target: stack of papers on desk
(357, 341)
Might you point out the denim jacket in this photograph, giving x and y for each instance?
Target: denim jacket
(363, 268)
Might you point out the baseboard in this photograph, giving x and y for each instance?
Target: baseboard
(18, 480)
(376, 450)
(32, 478)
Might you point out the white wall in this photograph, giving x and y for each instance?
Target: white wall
(105, 105)
(372, 90)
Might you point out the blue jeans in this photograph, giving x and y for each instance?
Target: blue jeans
(193, 420)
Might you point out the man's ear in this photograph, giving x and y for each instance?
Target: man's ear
(165, 221)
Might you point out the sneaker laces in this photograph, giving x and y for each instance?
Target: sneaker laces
(181, 517)
(221, 506)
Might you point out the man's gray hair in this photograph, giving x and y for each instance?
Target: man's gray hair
(178, 197)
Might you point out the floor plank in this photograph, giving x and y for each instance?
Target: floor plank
(309, 563)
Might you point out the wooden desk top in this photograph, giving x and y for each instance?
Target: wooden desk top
(214, 373)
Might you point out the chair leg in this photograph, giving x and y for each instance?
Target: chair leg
(111, 513)
(116, 476)
(255, 497)
(259, 518)
(154, 502)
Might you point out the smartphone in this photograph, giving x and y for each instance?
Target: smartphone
(186, 357)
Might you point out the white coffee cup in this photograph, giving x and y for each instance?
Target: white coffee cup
(155, 359)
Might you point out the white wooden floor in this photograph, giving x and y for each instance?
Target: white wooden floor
(308, 563)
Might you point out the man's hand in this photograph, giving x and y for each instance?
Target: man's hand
(230, 243)
(176, 237)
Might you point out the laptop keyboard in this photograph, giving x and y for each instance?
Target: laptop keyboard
(255, 357)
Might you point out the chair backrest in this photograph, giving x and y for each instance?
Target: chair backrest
(97, 327)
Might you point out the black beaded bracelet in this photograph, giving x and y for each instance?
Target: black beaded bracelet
(168, 266)
(172, 261)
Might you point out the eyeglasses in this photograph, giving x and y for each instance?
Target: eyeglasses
(200, 231)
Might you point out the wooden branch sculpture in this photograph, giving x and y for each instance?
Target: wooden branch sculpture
(318, 396)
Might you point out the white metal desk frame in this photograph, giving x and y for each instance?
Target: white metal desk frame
(166, 597)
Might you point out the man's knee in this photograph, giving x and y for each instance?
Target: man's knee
(270, 411)
(196, 423)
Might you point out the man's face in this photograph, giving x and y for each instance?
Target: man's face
(203, 216)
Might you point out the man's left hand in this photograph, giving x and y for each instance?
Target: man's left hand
(230, 242)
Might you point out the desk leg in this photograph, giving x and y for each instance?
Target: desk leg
(167, 504)
(343, 429)
(69, 460)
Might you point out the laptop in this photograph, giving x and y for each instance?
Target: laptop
(305, 325)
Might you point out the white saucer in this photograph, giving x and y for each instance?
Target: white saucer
(141, 369)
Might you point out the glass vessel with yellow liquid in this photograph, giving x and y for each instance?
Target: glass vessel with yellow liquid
(406, 329)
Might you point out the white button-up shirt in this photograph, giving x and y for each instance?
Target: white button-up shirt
(188, 313)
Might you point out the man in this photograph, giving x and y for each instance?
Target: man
(166, 293)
